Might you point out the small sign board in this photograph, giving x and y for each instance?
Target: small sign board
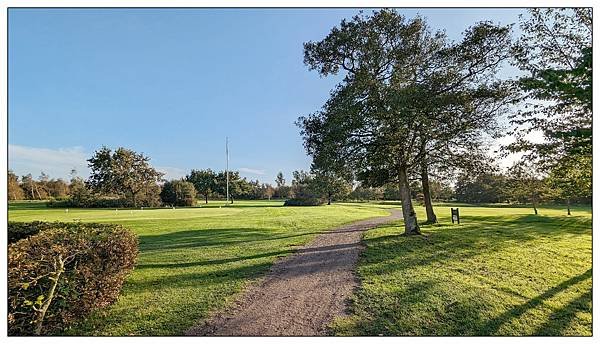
(455, 215)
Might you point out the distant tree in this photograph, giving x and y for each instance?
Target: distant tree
(330, 185)
(483, 188)
(205, 182)
(280, 180)
(238, 186)
(572, 179)
(57, 188)
(441, 191)
(15, 192)
(302, 187)
(31, 187)
(124, 173)
(178, 193)
(525, 184)
(366, 193)
(268, 191)
(78, 191)
(391, 192)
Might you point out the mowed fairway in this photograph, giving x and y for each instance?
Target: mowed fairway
(502, 271)
(194, 260)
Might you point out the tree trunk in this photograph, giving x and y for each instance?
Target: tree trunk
(411, 226)
(568, 206)
(431, 218)
(534, 203)
(205, 198)
(329, 198)
(55, 280)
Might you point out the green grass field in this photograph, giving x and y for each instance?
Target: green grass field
(503, 271)
(193, 260)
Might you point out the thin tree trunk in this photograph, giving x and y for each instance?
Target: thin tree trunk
(534, 203)
(205, 198)
(568, 206)
(329, 198)
(411, 226)
(431, 218)
(42, 312)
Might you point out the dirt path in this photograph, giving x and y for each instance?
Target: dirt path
(302, 293)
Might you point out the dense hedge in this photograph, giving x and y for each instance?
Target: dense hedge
(64, 272)
(303, 202)
(22, 230)
(89, 202)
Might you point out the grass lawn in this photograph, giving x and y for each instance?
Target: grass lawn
(502, 271)
(193, 260)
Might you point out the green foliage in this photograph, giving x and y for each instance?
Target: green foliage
(22, 230)
(61, 274)
(556, 52)
(408, 97)
(525, 184)
(178, 193)
(364, 193)
(330, 185)
(125, 173)
(292, 202)
(482, 188)
(205, 182)
(571, 178)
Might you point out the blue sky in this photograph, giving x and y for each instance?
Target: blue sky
(172, 83)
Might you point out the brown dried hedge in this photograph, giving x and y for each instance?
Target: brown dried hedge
(59, 275)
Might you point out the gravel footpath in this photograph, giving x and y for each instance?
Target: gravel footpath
(302, 293)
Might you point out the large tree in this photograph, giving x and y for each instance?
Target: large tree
(555, 53)
(124, 173)
(397, 77)
(205, 182)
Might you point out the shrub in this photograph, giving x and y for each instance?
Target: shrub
(303, 202)
(22, 230)
(64, 272)
(92, 202)
(178, 192)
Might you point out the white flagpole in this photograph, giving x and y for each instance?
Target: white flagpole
(227, 168)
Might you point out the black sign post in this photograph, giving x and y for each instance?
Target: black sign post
(455, 215)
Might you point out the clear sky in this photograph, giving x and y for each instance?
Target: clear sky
(172, 83)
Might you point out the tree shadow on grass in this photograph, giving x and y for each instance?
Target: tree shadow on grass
(396, 258)
(213, 295)
(486, 234)
(494, 325)
(208, 237)
(560, 320)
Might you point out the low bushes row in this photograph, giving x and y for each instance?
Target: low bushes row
(303, 202)
(58, 273)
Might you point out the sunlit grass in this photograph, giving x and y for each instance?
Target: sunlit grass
(502, 271)
(194, 260)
